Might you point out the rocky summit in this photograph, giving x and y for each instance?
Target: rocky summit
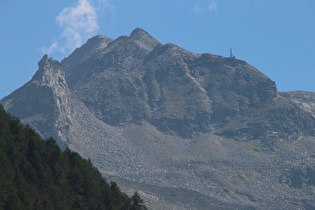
(188, 131)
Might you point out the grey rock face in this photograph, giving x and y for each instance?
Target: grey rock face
(92, 46)
(304, 99)
(44, 101)
(188, 131)
(137, 79)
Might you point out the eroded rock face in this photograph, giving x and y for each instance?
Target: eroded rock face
(299, 177)
(304, 99)
(44, 101)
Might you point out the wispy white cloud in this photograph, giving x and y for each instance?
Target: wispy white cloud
(212, 6)
(200, 9)
(197, 9)
(77, 24)
(49, 50)
(105, 4)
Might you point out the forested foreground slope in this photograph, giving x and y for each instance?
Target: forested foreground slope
(36, 174)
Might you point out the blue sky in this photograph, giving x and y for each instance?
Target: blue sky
(275, 36)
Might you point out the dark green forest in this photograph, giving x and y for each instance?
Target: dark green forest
(36, 174)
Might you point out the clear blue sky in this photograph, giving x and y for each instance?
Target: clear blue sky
(275, 36)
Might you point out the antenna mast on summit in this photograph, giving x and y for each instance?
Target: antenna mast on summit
(231, 54)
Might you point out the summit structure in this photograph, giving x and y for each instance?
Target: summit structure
(231, 54)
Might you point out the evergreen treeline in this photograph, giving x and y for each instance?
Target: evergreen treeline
(36, 174)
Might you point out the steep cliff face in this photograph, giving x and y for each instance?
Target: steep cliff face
(209, 129)
(44, 101)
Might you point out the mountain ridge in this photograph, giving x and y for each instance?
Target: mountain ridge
(242, 83)
(157, 114)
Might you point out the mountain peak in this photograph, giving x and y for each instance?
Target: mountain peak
(46, 64)
(144, 37)
(139, 32)
(44, 61)
(49, 70)
(98, 41)
(81, 54)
